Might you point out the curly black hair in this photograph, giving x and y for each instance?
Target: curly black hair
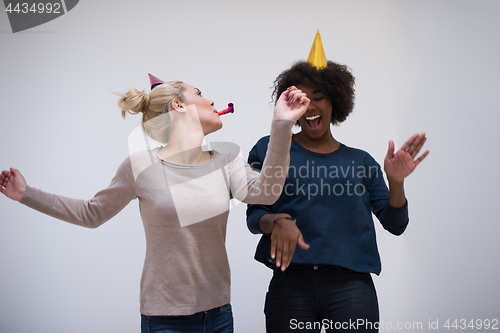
(336, 81)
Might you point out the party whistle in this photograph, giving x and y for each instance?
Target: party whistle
(230, 109)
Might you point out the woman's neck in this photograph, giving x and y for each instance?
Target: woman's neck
(184, 147)
(324, 144)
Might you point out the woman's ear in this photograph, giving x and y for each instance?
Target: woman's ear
(177, 105)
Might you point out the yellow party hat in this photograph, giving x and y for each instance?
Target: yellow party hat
(317, 54)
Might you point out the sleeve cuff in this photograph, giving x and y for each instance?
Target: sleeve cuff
(282, 126)
(253, 222)
(398, 210)
(28, 195)
(396, 219)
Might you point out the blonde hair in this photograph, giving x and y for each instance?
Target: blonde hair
(156, 107)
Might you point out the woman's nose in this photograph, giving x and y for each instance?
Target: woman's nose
(311, 107)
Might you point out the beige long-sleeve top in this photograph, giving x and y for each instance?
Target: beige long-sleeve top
(184, 209)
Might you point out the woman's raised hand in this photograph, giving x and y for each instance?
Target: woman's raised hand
(399, 165)
(291, 104)
(12, 184)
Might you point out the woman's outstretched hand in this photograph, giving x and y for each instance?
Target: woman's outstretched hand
(401, 164)
(292, 104)
(12, 184)
(284, 239)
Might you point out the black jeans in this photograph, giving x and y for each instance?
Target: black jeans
(307, 297)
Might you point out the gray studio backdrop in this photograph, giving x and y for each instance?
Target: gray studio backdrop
(420, 66)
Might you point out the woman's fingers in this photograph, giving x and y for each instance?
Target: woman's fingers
(284, 240)
(279, 251)
(390, 149)
(291, 104)
(303, 245)
(421, 158)
(409, 142)
(273, 246)
(12, 184)
(4, 178)
(295, 96)
(412, 146)
(417, 145)
(286, 255)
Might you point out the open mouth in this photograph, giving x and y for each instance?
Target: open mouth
(313, 121)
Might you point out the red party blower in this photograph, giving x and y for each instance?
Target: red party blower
(230, 109)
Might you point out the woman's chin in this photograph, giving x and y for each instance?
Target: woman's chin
(314, 133)
(213, 129)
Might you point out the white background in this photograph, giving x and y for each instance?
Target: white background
(419, 65)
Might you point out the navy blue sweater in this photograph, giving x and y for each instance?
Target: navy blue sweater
(332, 197)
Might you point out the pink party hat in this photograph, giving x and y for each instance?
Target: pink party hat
(154, 81)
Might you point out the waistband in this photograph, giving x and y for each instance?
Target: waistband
(293, 267)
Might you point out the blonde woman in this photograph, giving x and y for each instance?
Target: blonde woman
(183, 193)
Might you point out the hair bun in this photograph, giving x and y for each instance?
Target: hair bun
(134, 102)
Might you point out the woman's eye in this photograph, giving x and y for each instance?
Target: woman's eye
(318, 98)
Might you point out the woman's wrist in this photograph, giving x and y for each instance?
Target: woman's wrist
(284, 220)
(267, 222)
(397, 198)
